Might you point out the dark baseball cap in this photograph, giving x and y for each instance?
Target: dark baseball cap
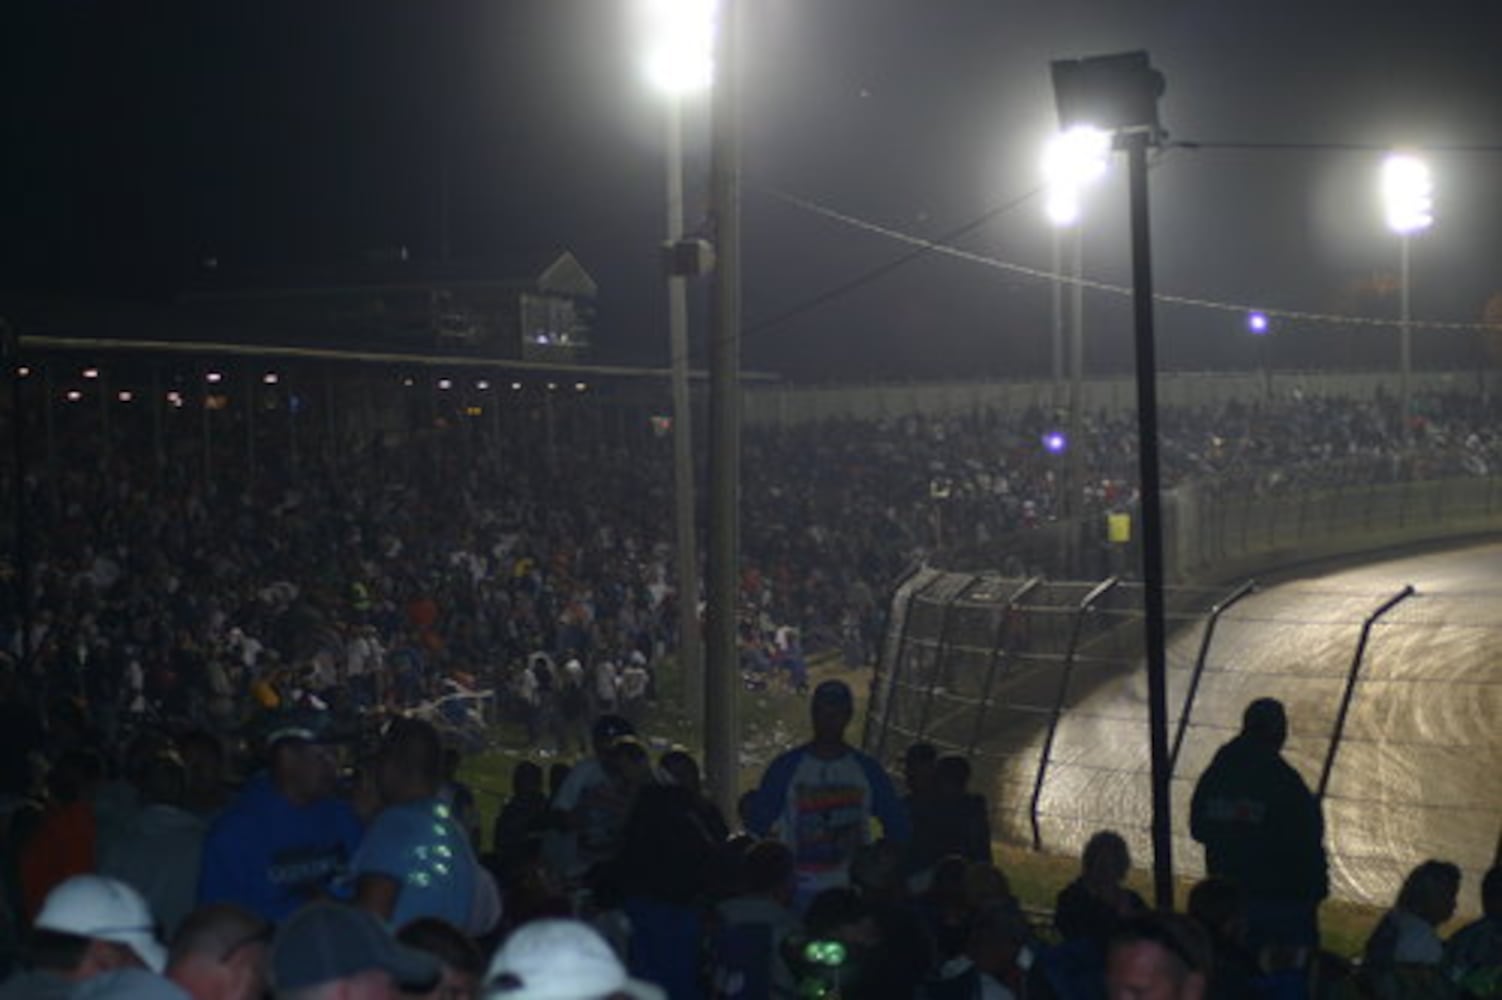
(609, 728)
(833, 694)
(324, 942)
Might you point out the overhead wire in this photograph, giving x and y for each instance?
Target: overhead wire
(944, 245)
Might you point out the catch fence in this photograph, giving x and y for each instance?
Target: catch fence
(1393, 696)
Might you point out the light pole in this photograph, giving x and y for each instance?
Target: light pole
(681, 63)
(1072, 161)
(1408, 204)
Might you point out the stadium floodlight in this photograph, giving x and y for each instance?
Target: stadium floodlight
(271, 378)
(73, 395)
(1256, 322)
(1408, 205)
(1055, 443)
(91, 373)
(483, 384)
(125, 395)
(445, 384)
(1072, 160)
(680, 55)
(1407, 194)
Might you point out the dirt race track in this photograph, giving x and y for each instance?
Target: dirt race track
(1418, 773)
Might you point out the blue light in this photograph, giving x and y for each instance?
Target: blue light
(1055, 443)
(1257, 322)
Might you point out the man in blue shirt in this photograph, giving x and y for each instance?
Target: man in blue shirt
(819, 798)
(286, 839)
(416, 859)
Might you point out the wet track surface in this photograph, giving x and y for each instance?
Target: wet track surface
(1418, 771)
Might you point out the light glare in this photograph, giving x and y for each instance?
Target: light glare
(1407, 193)
(680, 59)
(1072, 161)
(1054, 443)
(1257, 322)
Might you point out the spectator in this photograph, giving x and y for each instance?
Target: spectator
(1157, 957)
(991, 966)
(415, 860)
(1408, 934)
(591, 813)
(1091, 907)
(668, 859)
(1262, 828)
(523, 819)
(160, 852)
(1473, 955)
(561, 960)
(1216, 904)
(66, 841)
(949, 819)
(752, 928)
(821, 797)
(88, 926)
(460, 963)
(221, 952)
(329, 950)
(285, 838)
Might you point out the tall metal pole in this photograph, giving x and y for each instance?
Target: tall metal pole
(1405, 339)
(1152, 517)
(1057, 338)
(1074, 458)
(690, 655)
(10, 352)
(721, 725)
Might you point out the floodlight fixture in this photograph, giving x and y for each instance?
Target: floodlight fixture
(23, 372)
(1407, 193)
(1118, 93)
(445, 384)
(214, 377)
(271, 378)
(1055, 443)
(680, 56)
(125, 395)
(516, 387)
(1072, 160)
(580, 386)
(73, 395)
(483, 384)
(91, 373)
(1256, 322)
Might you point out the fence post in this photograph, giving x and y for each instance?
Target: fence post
(881, 653)
(1350, 689)
(939, 653)
(1100, 590)
(891, 696)
(1199, 669)
(998, 650)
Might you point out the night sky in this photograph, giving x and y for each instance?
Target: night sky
(288, 140)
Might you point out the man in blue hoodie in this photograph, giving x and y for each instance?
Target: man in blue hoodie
(286, 838)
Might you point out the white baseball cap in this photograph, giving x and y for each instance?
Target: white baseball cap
(561, 960)
(106, 909)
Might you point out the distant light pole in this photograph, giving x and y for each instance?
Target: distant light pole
(1258, 326)
(681, 62)
(1073, 160)
(1408, 204)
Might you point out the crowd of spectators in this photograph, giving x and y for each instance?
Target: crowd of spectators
(340, 872)
(173, 604)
